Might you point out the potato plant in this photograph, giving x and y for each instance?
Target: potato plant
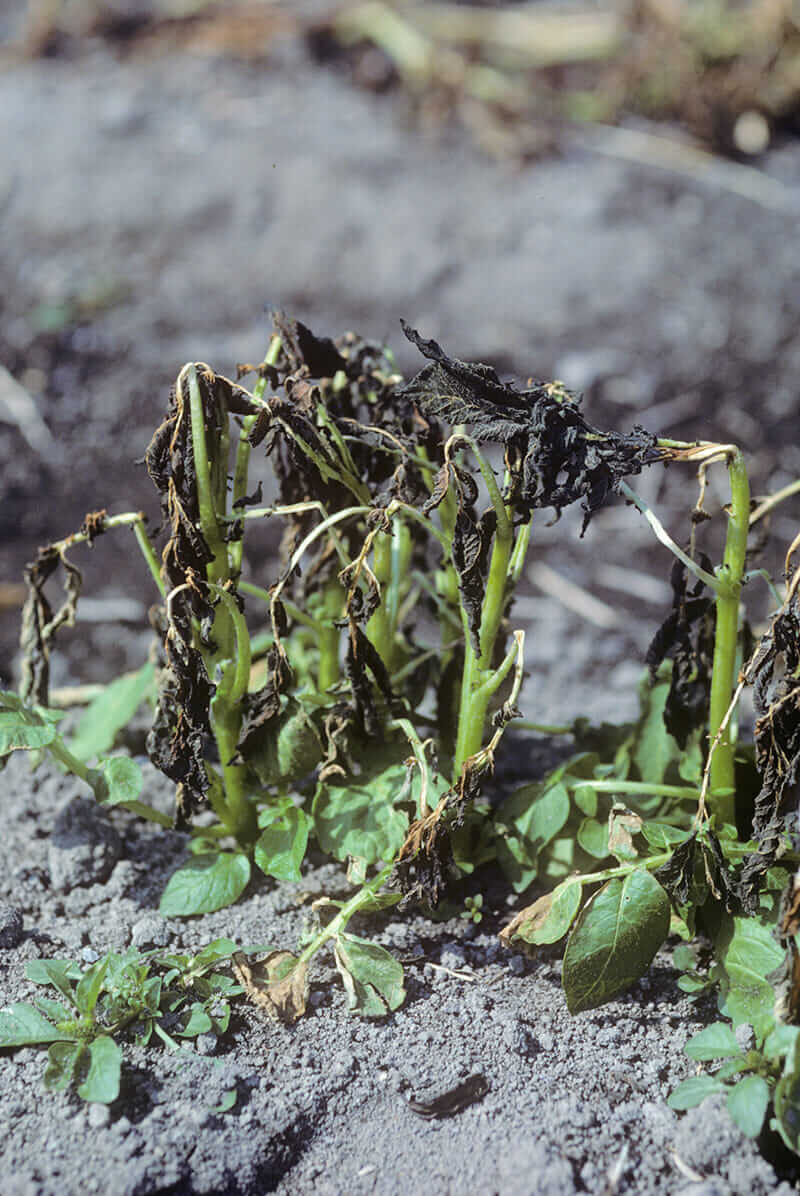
(355, 696)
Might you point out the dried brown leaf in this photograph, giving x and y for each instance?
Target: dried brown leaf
(274, 983)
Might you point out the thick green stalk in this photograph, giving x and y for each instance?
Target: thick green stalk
(729, 584)
(327, 636)
(475, 692)
(218, 568)
(226, 722)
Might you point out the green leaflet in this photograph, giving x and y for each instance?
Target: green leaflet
(747, 1104)
(747, 953)
(282, 845)
(361, 819)
(22, 1025)
(373, 979)
(25, 727)
(123, 781)
(714, 1042)
(614, 939)
(110, 711)
(693, 1091)
(549, 918)
(102, 1078)
(526, 822)
(206, 883)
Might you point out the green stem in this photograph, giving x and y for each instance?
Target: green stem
(690, 792)
(723, 677)
(148, 552)
(327, 636)
(218, 567)
(337, 924)
(243, 449)
(61, 752)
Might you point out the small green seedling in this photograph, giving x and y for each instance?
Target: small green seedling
(473, 909)
(134, 996)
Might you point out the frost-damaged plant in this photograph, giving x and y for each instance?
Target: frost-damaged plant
(359, 695)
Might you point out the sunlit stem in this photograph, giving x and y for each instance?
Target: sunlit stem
(327, 636)
(243, 449)
(218, 568)
(723, 677)
(336, 925)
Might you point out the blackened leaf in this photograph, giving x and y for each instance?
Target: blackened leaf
(677, 874)
(774, 672)
(473, 1089)
(554, 456)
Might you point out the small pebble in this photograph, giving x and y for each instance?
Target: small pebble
(517, 965)
(10, 926)
(89, 955)
(99, 1115)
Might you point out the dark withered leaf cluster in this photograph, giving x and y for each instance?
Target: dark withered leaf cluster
(40, 622)
(679, 873)
(177, 740)
(554, 456)
(687, 637)
(774, 672)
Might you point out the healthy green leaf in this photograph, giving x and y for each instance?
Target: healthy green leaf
(123, 781)
(662, 836)
(216, 950)
(373, 979)
(614, 939)
(717, 1041)
(62, 1064)
(23, 1025)
(101, 1084)
(198, 1022)
(24, 726)
(89, 986)
(593, 838)
(654, 748)
(281, 848)
(361, 819)
(780, 1042)
(693, 1091)
(110, 711)
(748, 953)
(206, 883)
(526, 822)
(747, 1104)
(58, 972)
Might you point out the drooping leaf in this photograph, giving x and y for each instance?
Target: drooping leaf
(206, 883)
(548, 919)
(40, 623)
(110, 711)
(592, 836)
(281, 847)
(553, 455)
(614, 939)
(101, 1084)
(23, 1025)
(277, 983)
(373, 979)
(25, 727)
(361, 819)
(747, 1104)
(693, 1091)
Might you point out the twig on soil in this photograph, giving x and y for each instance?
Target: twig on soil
(573, 596)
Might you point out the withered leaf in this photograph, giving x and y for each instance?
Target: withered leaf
(276, 983)
(40, 624)
(774, 672)
(554, 456)
(677, 875)
(622, 826)
(687, 636)
(532, 917)
(94, 525)
(473, 1089)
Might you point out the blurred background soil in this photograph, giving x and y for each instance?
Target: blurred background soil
(604, 193)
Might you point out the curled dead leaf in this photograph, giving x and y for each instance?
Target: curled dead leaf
(276, 983)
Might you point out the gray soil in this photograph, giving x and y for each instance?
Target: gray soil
(152, 205)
